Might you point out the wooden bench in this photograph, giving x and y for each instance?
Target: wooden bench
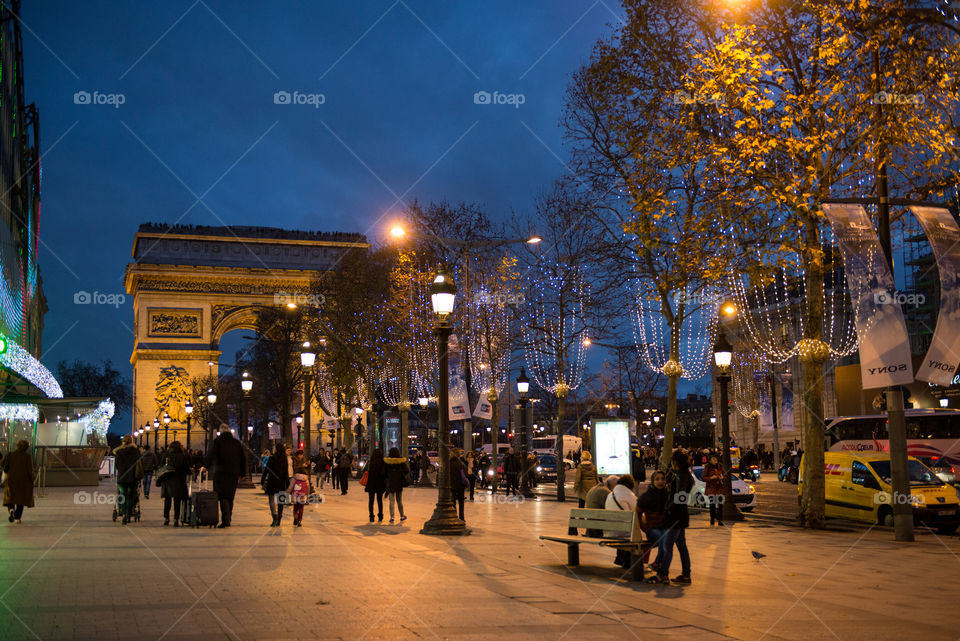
(608, 521)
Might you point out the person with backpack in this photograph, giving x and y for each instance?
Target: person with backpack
(398, 477)
(344, 465)
(275, 480)
(376, 474)
(173, 486)
(676, 519)
(129, 473)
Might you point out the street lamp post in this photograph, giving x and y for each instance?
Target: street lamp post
(188, 408)
(723, 355)
(307, 358)
(246, 384)
(156, 434)
(211, 400)
(445, 519)
(166, 429)
(523, 388)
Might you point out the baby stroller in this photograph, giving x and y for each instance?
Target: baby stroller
(135, 512)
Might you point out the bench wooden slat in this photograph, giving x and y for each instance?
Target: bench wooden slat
(609, 526)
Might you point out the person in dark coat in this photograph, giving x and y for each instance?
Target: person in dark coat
(458, 482)
(129, 472)
(173, 487)
(511, 471)
(344, 467)
(676, 519)
(376, 483)
(398, 477)
(226, 461)
(637, 469)
(18, 493)
(149, 462)
(275, 480)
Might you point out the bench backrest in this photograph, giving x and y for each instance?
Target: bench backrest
(607, 520)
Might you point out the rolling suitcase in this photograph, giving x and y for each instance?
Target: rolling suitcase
(204, 505)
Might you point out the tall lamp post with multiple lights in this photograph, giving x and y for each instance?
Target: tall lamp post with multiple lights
(307, 359)
(445, 519)
(723, 356)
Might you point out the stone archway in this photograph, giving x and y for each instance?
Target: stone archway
(191, 285)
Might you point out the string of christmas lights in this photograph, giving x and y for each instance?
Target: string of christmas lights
(652, 334)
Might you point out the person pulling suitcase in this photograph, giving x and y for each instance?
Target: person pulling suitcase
(225, 460)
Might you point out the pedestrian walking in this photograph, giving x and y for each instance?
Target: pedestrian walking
(621, 498)
(149, 462)
(511, 471)
(300, 486)
(376, 483)
(335, 470)
(637, 469)
(425, 464)
(173, 486)
(458, 479)
(275, 480)
(129, 474)
(344, 465)
(226, 462)
(398, 477)
(484, 469)
(713, 475)
(470, 462)
(586, 478)
(651, 506)
(19, 473)
(676, 519)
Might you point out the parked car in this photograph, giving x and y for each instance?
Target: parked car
(744, 494)
(943, 469)
(546, 468)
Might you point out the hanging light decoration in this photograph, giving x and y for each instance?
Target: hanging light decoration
(772, 312)
(488, 342)
(652, 333)
(554, 327)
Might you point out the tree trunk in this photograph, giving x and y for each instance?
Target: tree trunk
(670, 422)
(812, 359)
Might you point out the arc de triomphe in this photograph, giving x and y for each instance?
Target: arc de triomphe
(191, 285)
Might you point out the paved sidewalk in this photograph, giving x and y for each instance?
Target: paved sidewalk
(69, 572)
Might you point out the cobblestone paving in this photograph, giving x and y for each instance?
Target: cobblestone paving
(69, 572)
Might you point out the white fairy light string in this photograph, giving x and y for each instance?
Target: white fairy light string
(20, 361)
(772, 315)
(652, 336)
(554, 328)
(488, 343)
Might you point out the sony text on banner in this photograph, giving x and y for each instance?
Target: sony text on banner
(881, 330)
(942, 358)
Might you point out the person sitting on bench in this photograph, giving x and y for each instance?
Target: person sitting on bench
(622, 498)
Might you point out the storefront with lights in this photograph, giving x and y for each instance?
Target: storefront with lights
(67, 436)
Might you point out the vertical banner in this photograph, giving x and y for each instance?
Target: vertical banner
(459, 402)
(483, 409)
(765, 404)
(884, 348)
(275, 430)
(786, 400)
(942, 231)
(330, 422)
(392, 432)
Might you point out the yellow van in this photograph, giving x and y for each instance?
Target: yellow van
(858, 488)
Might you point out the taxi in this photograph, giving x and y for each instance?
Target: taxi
(857, 486)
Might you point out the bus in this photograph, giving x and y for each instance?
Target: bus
(548, 445)
(933, 435)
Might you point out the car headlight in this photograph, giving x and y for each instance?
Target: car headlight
(490, 473)
(539, 469)
(752, 489)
